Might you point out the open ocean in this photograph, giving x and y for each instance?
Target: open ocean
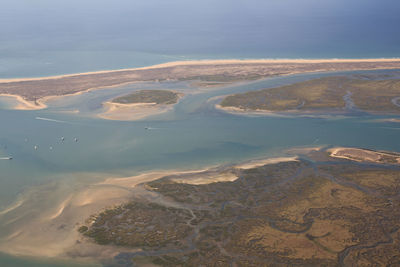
(46, 37)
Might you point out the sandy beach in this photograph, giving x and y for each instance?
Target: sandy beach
(132, 112)
(361, 155)
(213, 62)
(284, 114)
(239, 111)
(35, 90)
(261, 162)
(25, 104)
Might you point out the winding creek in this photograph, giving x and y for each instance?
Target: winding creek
(193, 135)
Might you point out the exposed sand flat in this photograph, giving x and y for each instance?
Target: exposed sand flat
(353, 154)
(53, 232)
(12, 207)
(132, 181)
(131, 112)
(214, 176)
(24, 104)
(360, 155)
(304, 150)
(282, 114)
(388, 120)
(33, 89)
(240, 111)
(262, 162)
(207, 178)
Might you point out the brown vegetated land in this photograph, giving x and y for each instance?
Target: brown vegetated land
(208, 71)
(293, 213)
(323, 94)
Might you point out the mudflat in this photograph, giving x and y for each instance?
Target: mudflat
(288, 211)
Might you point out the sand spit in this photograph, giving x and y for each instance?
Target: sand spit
(327, 114)
(215, 175)
(25, 104)
(362, 155)
(262, 162)
(33, 89)
(240, 111)
(213, 62)
(304, 150)
(132, 112)
(206, 178)
(395, 120)
(355, 154)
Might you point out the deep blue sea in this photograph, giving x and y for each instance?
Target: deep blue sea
(47, 37)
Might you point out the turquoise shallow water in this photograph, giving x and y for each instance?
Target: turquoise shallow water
(194, 135)
(9, 261)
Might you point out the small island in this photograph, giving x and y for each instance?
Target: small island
(343, 94)
(315, 209)
(159, 97)
(140, 104)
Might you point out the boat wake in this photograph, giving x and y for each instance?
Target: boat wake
(52, 120)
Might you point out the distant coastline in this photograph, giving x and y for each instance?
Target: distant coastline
(33, 92)
(206, 62)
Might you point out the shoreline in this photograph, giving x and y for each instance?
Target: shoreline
(29, 105)
(23, 104)
(282, 114)
(79, 206)
(361, 155)
(134, 111)
(32, 91)
(205, 62)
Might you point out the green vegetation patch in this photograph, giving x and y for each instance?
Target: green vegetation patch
(149, 96)
(327, 93)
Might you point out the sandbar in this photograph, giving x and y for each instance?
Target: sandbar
(132, 112)
(364, 155)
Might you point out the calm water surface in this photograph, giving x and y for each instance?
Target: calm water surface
(46, 37)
